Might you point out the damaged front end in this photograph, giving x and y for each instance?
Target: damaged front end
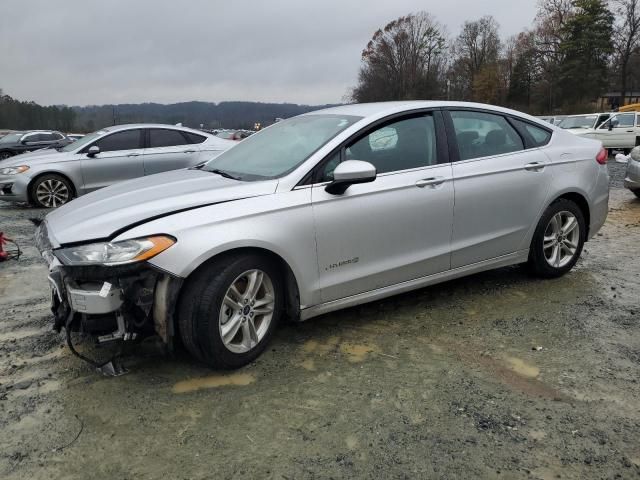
(112, 303)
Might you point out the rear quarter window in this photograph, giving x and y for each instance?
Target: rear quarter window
(194, 137)
(539, 135)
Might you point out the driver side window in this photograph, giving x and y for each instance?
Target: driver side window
(399, 145)
(126, 140)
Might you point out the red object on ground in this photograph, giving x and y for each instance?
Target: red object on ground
(3, 241)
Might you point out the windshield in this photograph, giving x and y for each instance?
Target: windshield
(81, 142)
(11, 138)
(281, 148)
(578, 122)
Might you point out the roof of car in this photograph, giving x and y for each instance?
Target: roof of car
(381, 108)
(115, 128)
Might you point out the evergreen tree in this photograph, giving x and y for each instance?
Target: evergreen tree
(586, 48)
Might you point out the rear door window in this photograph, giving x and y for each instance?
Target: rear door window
(159, 137)
(481, 134)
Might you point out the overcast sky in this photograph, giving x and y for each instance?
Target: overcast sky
(80, 52)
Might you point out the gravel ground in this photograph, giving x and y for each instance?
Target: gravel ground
(498, 375)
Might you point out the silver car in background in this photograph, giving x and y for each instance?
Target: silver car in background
(320, 212)
(632, 176)
(52, 177)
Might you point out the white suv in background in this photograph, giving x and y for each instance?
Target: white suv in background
(619, 131)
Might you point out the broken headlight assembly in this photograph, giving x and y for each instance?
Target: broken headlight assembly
(115, 253)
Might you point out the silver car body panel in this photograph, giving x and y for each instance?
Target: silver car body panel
(377, 239)
(632, 176)
(91, 173)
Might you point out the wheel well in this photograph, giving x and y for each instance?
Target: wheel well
(582, 204)
(292, 300)
(40, 175)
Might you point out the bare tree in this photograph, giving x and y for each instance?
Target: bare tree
(549, 35)
(476, 52)
(626, 38)
(404, 60)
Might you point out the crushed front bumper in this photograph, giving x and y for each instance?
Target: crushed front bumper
(113, 303)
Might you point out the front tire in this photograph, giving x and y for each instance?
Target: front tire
(230, 310)
(5, 155)
(51, 191)
(636, 192)
(558, 240)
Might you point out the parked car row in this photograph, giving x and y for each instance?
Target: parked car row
(236, 135)
(616, 130)
(54, 176)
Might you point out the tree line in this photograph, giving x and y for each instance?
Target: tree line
(575, 51)
(20, 115)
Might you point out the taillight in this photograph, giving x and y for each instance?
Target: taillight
(602, 156)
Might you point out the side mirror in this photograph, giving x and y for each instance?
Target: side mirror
(93, 151)
(349, 173)
(613, 124)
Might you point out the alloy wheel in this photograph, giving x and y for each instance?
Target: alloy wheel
(52, 193)
(561, 239)
(246, 311)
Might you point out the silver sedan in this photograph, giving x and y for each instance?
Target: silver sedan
(320, 212)
(632, 177)
(52, 177)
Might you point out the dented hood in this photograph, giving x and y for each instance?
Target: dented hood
(102, 214)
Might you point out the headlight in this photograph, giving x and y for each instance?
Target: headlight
(13, 170)
(116, 253)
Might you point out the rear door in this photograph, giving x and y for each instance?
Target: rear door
(168, 149)
(120, 158)
(500, 185)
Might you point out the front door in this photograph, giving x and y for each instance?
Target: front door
(120, 158)
(394, 229)
(619, 131)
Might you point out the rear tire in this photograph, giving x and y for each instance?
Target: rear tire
(5, 155)
(558, 240)
(230, 310)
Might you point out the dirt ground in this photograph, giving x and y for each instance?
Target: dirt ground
(445, 382)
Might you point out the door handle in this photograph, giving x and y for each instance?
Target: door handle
(133, 155)
(630, 131)
(189, 151)
(534, 166)
(430, 182)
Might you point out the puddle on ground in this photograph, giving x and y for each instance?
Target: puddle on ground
(213, 381)
(537, 435)
(352, 442)
(320, 348)
(308, 364)
(357, 352)
(522, 368)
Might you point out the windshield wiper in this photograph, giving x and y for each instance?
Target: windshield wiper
(224, 174)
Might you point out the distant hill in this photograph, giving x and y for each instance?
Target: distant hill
(192, 114)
